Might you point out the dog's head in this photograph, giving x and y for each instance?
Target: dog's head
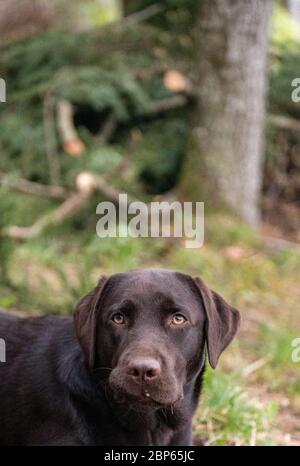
(145, 333)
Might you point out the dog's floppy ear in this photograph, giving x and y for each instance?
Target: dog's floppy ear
(85, 321)
(222, 321)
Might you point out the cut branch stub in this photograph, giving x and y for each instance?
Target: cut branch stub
(71, 142)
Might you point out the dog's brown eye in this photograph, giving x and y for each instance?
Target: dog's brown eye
(178, 319)
(118, 318)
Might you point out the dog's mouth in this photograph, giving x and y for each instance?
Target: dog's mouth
(145, 393)
(144, 398)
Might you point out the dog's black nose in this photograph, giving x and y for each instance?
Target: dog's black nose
(144, 369)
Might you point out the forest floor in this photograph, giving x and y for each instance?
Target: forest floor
(253, 396)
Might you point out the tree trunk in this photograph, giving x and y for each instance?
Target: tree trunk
(223, 165)
(293, 7)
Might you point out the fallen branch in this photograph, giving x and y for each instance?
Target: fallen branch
(280, 243)
(163, 105)
(144, 14)
(151, 71)
(74, 203)
(285, 122)
(87, 183)
(169, 104)
(177, 82)
(108, 191)
(254, 366)
(107, 129)
(24, 186)
(72, 143)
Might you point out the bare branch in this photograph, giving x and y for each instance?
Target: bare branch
(254, 366)
(280, 243)
(24, 186)
(285, 122)
(65, 210)
(108, 191)
(70, 206)
(65, 120)
(72, 143)
(144, 14)
(169, 104)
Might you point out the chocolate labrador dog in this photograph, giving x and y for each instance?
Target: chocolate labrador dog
(129, 372)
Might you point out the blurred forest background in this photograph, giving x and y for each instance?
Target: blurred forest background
(176, 99)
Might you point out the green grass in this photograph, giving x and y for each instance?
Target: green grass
(228, 416)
